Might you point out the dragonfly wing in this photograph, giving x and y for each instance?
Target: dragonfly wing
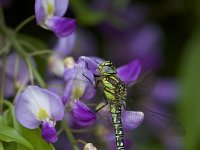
(161, 123)
(139, 90)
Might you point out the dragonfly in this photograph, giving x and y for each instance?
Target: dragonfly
(118, 94)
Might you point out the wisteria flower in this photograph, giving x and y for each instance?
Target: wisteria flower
(79, 86)
(49, 15)
(36, 106)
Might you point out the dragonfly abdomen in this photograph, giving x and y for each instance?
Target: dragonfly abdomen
(117, 123)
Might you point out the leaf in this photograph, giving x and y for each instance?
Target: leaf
(7, 118)
(1, 121)
(189, 73)
(1, 146)
(8, 134)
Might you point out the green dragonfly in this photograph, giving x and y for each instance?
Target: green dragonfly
(118, 94)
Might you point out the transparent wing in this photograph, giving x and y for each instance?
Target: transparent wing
(139, 90)
(160, 123)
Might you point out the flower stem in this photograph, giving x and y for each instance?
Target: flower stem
(2, 84)
(30, 70)
(23, 23)
(81, 141)
(69, 135)
(41, 52)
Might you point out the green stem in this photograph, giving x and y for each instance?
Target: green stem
(2, 84)
(70, 135)
(81, 141)
(30, 70)
(23, 23)
(7, 103)
(41, 52)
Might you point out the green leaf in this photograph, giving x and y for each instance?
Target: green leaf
(1, 146)
(7, 118)
(189, 73)
(8, 134)
(1, 121)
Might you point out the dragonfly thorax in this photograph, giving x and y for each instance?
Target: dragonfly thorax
(106, 68)
(114, 89)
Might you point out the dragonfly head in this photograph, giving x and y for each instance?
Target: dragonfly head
(107, 68)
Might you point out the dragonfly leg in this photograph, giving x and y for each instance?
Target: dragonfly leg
(101, 107)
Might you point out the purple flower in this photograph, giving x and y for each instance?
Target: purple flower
(49, 15)
(36, 106)
(132, 119)
(79, 86)
(16, 74)
(90, 63)
(130, 72)
(82, 114)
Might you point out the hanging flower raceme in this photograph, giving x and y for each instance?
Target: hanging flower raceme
(80, 86)
(49, 15)
(36, 106)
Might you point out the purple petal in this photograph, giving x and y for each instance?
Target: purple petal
(82, 114)
(90, 63)
(80, 83)
(39, 12)
(61, 26)
(23, 113)
(49, 132)
(31, 100)
(132, 119)
(65, 45)
(129, 72)
(61, 7)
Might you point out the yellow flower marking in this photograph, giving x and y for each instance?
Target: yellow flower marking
(77, 92)
(42, 114)
(50, 8)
